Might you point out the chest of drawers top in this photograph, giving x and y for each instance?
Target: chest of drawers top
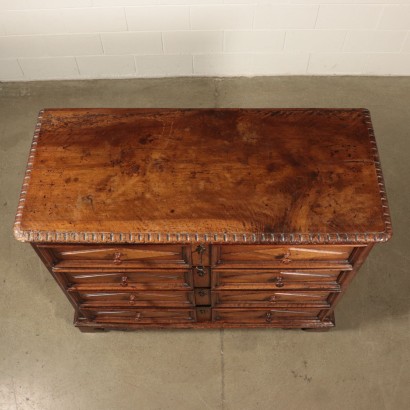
(244, 176)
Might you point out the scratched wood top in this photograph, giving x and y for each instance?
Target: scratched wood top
(217, 175)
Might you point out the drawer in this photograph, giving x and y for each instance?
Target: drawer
(148, 256)
(276, 256)
(142, 316)
(261, 315)
(144, 298)
(262, 298)
(276, 279)
(83, 280)
(202, 297)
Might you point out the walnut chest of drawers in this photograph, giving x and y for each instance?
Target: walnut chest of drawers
(203, 218)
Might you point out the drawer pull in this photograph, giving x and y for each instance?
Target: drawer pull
(124, 281)
(132, 299)
(268, 317)
(286, 258)
(200, 249)
(272, 298)
(138, 316)
(117, 258)
(200, 271)
(202, 292)
(279, 282)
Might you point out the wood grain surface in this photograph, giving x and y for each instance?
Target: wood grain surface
(218, 175)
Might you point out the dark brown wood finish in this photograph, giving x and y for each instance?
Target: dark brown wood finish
(155, 218)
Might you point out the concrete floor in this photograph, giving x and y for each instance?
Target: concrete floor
(46, 363)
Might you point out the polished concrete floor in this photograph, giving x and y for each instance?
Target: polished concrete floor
(46, 363)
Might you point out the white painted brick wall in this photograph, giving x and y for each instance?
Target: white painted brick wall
(221, 17)
(192, 42)
(157, 18)
(65, 39)
(164, 66)
(314, 40)
(11, 70)
(254, 41)
(283, 16)
(348, 16)
(406, 47)
(49, 68)
(106, 66)
(144, 42)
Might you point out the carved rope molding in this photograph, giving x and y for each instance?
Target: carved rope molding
(18, 233)
(385, 205)
(221, 237)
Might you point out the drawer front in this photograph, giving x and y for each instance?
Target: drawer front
(77, 280)
(142, 316)
(261, 315)
(144, 298)
(124, 256)
(266, 255)
(275, 279)
(261, 298)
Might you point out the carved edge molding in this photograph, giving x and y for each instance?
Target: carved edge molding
(18, 233)
(222, 237)
(240, 238)
(388, 231)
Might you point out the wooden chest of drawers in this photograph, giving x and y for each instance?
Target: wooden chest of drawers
(154, 218)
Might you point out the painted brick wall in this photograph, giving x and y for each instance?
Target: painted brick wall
(62, 39)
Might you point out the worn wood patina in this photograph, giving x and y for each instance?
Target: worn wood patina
(203, 217)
